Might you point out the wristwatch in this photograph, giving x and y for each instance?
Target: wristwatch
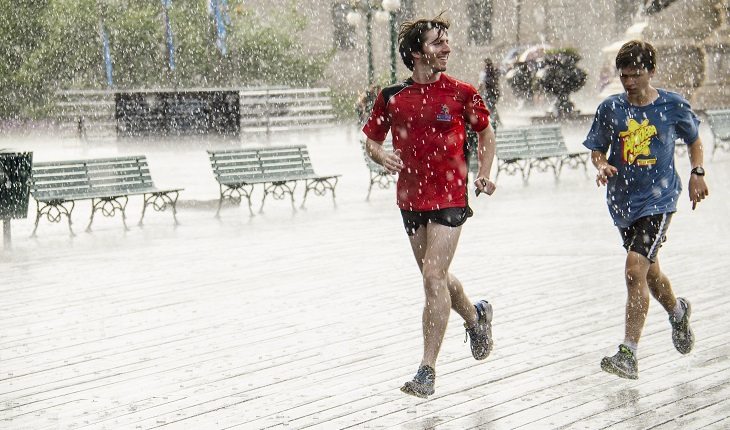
(699, 171)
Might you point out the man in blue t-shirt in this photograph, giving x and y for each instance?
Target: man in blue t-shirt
(638, 130)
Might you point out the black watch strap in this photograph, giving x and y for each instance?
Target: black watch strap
(699, 171)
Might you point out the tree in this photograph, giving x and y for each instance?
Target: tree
(21, 31)
(561, 76)
(56, 44)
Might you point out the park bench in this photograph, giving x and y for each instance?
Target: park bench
(85, 113)
(277, 169)
(538, 148)
(378, 175)
(281, 109)
(107, 182)
(720, 125)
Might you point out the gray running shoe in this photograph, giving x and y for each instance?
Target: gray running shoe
(682, 335)
(481, 333)
(622, 364)
(422, 384)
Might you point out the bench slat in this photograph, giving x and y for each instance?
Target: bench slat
(92, 178)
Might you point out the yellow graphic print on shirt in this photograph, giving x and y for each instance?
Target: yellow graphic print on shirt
(635, 142)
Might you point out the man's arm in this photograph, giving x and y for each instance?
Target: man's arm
(697, 188)
(605, 170)
(485, 154)
(389, 160)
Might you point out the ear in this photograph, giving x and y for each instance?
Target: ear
(416, 55)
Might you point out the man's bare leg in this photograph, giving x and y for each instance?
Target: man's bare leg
(624, 363)
(637, 301)
(660, 287)
(434, 246)
(459, 300)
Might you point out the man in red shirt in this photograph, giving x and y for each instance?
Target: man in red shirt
(426, 116)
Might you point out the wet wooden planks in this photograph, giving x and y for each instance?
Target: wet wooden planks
(312, 320)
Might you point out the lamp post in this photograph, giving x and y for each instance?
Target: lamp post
(391, 7)
(518, 13)
(383, 12)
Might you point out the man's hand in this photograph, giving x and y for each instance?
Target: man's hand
(697, 189)
(392, 162)
(484, 185)
(605, 171)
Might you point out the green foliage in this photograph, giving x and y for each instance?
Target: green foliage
(268, 53)
(561, 76)
(20, 32)
(56, 44)
(344, 105)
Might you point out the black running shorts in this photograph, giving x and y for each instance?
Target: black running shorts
(450, 217)
(646, 235)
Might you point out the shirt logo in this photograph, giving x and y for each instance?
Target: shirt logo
(444, 115)
(636, 140)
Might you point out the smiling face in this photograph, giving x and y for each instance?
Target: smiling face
(435, 50)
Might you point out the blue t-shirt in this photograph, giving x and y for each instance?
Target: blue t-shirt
(640, 141)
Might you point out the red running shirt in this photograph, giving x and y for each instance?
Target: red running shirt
(427, 122)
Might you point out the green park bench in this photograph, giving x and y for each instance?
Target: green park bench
(540, 148)
(282, 109)
(107, 182)
(277, 169)
(719, 121)
(378, 175)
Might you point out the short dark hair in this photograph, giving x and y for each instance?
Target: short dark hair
(410, 36)
(636, 53)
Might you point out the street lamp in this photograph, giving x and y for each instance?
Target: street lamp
(386, 11)
(391, 7)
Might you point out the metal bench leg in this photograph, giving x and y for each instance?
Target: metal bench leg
(124, 214)
(263, 199)
(68, 217)
(174, 208)
(144, 209)
(333, 191)
(159, 202)
(108, 207)
(54, 213)
(93, 211)
(279, 190)
(307, 184)
(37, 218)
(526, 173)
(250, 205)
(220, 202)
(370, 188)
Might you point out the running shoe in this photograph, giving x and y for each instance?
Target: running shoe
(481, 334)
(422, 384)
(682, 335)
(622, 364)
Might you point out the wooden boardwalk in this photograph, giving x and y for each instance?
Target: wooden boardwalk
(311, 319)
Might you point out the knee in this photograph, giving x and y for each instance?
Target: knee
(636, 274)
(434, 282)
(632, 278)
